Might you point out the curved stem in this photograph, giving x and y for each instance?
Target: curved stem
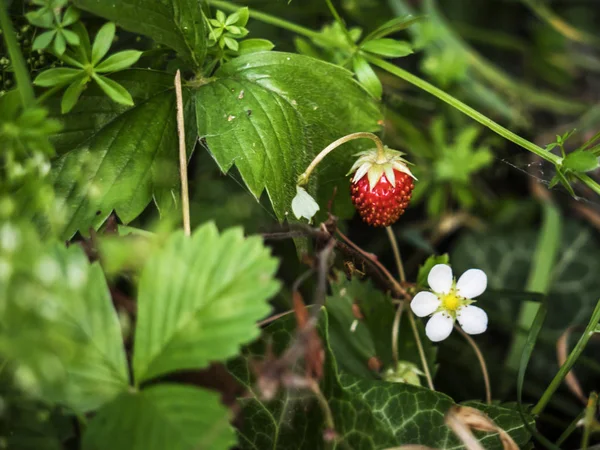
(484, 371)
(396, 250)
(303, 179)
(413, 325)
(396, 333)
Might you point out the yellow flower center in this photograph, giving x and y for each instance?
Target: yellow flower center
(451, 301)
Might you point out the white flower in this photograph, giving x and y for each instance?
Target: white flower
(303, 205)
(451, 301)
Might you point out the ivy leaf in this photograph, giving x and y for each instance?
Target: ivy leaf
(367, 414)
(199, 300)
(117, 158)
(178, 24)
(580, 161)
(270, 113)
(161, 416)
(71, 351)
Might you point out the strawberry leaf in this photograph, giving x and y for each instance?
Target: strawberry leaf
(270, 113)
(196, 290)
(183, 416)
(178, 24)
(115, 157)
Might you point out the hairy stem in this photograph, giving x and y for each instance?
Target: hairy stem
(185, 196)
(484, 371)
(413, 325)
(396, 333)
(396, 250)
(303, 179)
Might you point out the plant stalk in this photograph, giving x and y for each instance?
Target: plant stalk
(16, 57)
(185, 196)
(566, 367)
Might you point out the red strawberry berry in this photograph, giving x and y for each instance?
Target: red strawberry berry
(381, 187)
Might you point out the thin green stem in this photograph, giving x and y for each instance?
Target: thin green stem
(303, 179)
(569, 430)
(482, 364)
(396, 333)
(568, 365)
(413, 325)
(16, 57)
(396, 250)
(588, 420)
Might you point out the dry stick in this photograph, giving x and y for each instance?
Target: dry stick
(413, 323)
(484, 371)
(185, 196)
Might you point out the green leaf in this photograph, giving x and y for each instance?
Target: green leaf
(54, 77)
(40, 18)
(367, 414)
(162, 416)
(178, 24)
(70, 17)
(118, 158)
(255, 45)
(43, 40)
(353, 344)
(270, 113)
(393, 26)
(231, 43)
(199, 299)
(72, 94)
(102, 42)
(367, 76)
(243, 16)
(71, 37)
(60, 327)
(426, 267)
(118, 61)
(390, 48)
(580, 161)
(60, 44)
(114, 90)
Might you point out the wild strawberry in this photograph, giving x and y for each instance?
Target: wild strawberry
(384, 193)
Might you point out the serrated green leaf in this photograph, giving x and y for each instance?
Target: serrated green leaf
(162, 416)
(103, 42)
(367, 76)
(580, 161)
(199, 299)
(117, 158)
(72, 93)
(270, 113)
(43, 40)
(390, 48)
(426, 267)
(255, 45)
(114, 90)
(71, 351)
(54, 77)
(178, 24)
(367, 414)
(118, 61)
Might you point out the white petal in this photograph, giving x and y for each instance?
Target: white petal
(440, 278)
(439, 327)
(472, 283)
(424, 303)
(303, 205)
(472, 319)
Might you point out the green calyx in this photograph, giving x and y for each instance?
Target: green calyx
(375, 163)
